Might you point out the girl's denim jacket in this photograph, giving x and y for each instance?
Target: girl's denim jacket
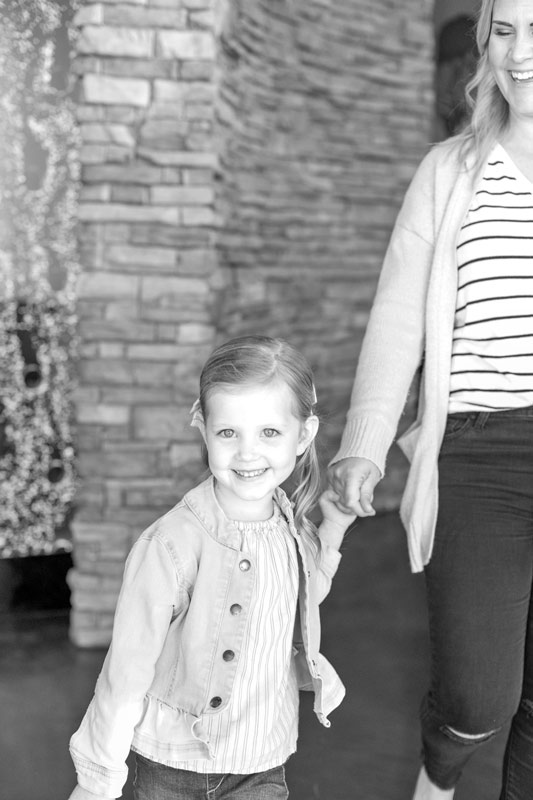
(183, 604)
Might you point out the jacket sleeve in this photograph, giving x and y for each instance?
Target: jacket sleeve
(325, 560)
(328, 563)
(394, 340)
(146, 605)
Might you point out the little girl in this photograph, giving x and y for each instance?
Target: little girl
(217, 624)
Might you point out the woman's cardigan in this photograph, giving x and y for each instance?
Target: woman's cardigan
(411, 322)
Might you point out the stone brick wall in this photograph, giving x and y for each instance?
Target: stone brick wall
(325, 113)
(243, 163)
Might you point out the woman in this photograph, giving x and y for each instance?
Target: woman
(456, 293)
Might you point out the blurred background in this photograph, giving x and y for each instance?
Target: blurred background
(174, 173)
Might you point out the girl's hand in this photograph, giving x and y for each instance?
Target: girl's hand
(354, 480)
(329, 505)
(334, 522)
(84, 794)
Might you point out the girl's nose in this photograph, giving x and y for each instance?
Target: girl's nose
(247, 448)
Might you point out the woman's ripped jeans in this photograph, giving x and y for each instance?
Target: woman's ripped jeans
(479, 584)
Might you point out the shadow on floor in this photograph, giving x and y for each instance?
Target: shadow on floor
(374, 632)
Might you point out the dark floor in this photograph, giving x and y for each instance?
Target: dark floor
(374, 632)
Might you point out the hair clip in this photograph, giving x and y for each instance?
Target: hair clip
(314, 400)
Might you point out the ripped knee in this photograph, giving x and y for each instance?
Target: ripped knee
(526, 706)
(470, 738)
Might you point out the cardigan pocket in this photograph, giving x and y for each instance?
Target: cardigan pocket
(409, 440)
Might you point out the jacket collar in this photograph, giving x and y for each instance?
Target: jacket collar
(202, 502)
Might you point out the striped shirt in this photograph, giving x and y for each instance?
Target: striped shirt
(259, 727)
(492, 353)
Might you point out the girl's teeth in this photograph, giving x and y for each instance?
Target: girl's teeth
(249, 473)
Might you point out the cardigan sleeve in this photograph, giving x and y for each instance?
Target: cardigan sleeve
(393, 344)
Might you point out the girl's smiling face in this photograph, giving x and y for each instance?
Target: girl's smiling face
(253, 439)
(510, 52)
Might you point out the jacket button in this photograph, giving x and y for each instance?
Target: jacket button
(215, 702)
(235, 609)
(228, 655)
(244, 565)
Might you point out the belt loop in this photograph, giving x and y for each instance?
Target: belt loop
(481, 420)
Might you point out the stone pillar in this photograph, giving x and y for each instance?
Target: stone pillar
(149, 270)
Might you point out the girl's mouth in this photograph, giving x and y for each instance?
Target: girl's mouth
(248, 474)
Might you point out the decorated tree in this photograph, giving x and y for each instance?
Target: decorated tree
(38, 268)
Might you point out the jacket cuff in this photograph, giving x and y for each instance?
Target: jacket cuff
(102, 782)
(329, 560)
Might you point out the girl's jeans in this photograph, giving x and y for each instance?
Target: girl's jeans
(479, 584)
(158, 782)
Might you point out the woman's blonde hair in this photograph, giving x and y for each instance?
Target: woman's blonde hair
(252, 360)
(489, 110)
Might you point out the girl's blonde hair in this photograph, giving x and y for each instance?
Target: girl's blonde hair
(489, 110)
(252, 360)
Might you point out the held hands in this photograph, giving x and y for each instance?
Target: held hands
(353, 480)
(334, 522)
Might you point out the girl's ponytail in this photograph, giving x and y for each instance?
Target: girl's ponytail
(308, 486)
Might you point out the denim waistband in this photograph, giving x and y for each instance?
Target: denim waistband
(480, 417)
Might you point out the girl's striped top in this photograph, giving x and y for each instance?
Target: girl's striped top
(259, 727)
(492, 353)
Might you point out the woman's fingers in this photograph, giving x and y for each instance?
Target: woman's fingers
(354, 480)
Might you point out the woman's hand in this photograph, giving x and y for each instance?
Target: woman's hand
(353, 480)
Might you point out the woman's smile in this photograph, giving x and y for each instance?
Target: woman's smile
(521, 77)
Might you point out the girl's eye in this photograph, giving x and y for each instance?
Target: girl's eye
(227, 433)
(270, 433)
